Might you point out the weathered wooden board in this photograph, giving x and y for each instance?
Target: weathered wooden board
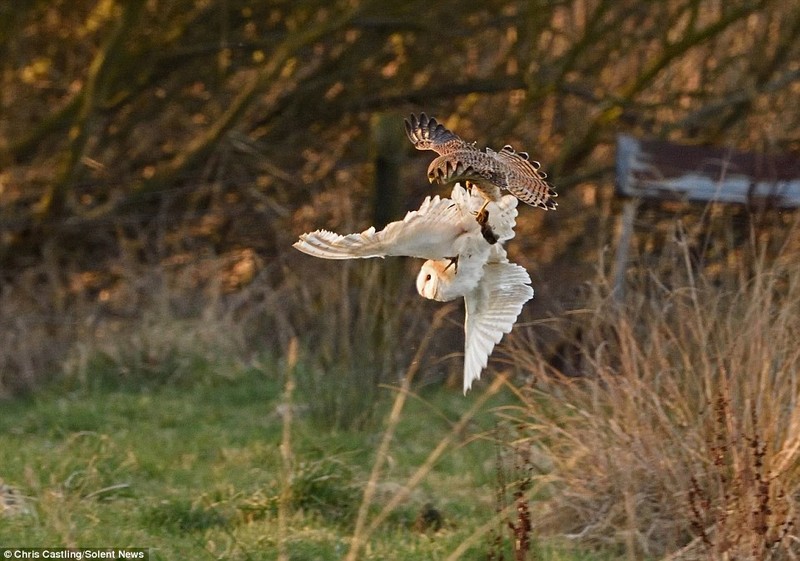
(649, 169)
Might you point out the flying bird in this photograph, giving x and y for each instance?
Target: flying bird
(492, 304)
(491, 172)
(461, 263)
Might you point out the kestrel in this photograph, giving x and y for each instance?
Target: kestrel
(461, 262)
(490, 171)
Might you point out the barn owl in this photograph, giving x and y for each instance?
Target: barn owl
(489, 171)
(461, 263)
(492, 304)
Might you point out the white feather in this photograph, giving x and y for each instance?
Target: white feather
(492, 309)
(460, 263)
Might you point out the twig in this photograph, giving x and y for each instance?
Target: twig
(359, 534)
(434, 456)
(286, 450)
(107, 490)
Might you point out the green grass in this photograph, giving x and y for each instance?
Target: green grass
(193, 472)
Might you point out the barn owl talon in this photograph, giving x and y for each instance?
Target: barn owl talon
(453, 263)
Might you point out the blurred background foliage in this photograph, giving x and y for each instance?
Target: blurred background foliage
(159, 157)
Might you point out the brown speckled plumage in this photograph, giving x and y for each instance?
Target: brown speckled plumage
(488, 170)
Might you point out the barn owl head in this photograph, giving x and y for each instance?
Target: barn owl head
(434, 278)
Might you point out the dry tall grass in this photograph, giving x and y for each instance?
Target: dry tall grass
(151, 323)
(682, 436)
(357, 331)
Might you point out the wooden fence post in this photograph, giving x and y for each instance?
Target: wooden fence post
(388, 145)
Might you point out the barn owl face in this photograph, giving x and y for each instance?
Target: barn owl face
(433, 279)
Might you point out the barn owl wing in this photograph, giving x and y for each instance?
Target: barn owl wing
(492, 308)
(503, 217)
(502, 214)
(429, 233)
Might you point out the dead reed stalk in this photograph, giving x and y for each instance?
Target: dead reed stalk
(287, 459)
(684, 426)
(361, 532)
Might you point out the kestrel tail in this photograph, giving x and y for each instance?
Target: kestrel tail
(489, 171)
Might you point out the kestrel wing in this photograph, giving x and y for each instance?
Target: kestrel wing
(468, 164)
(427, 233)
(426, 133)
(525, 180)
(492, 309)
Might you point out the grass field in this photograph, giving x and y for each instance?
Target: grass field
(677, 436)
(193, 471)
